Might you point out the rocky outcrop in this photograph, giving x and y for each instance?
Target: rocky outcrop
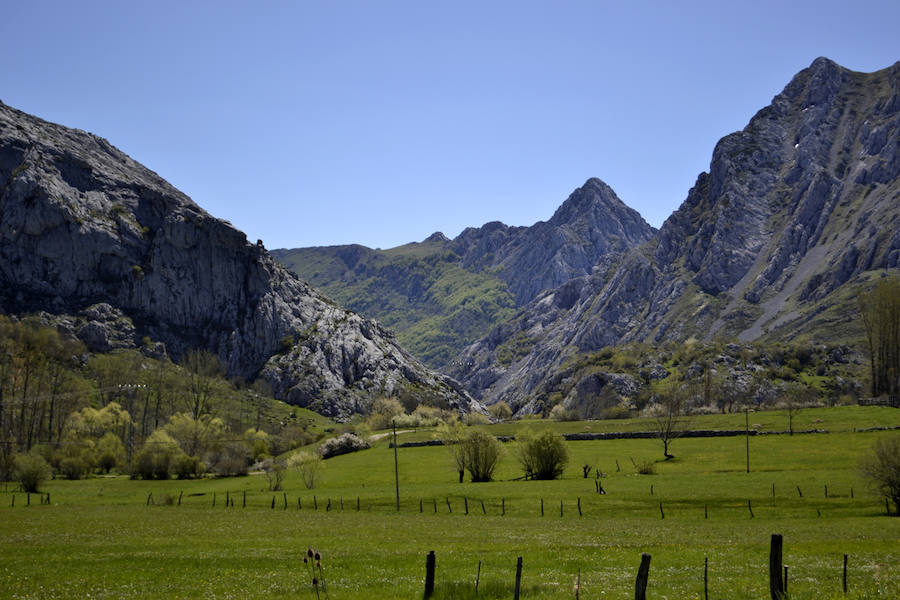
(590, 226)
(797, 212)
(117, 253)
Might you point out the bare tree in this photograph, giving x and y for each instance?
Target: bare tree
(880, 311)
(670, 414)
(882, 468)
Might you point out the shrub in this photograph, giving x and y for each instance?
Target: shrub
(646, 467)
(73, 467)
(274, 470)
(31, 470)
(475, 418)
(481, 452)
(343, 444)
(544, 456)
(187, 467)
(230, 460)
(561, 413)
(384, 410)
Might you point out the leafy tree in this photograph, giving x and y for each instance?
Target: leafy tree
(109, 452)
(500, 411)
(383, 412)
(31, 470)
(155, 460)
(195, 435)
(882, 468)
(880, 309)
(544, 456)
(481, 452)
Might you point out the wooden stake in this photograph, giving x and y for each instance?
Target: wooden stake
(640, 583)
(429, 574)
(845, 574)
(518, 577)
(776, 583)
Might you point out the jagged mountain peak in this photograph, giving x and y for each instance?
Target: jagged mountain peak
(797, 211)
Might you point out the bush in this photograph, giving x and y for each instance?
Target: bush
(480, 452)
(475, 418)
(544, 456)
(882, 468)
(73, 467)
(31, 470)
(230, 460)
(187, 467)
(561, 413)
(154, 461)
(646, 467)
(345, 444)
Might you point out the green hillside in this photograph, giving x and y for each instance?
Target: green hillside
(419, 290)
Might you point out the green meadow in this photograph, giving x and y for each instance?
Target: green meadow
(110, 537)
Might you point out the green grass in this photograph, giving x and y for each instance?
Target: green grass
(99, 539)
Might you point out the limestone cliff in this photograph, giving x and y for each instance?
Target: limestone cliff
(90, 235)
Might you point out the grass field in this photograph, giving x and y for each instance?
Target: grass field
(98, 538)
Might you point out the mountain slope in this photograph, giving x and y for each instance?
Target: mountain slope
(798, 211)
(112, 253)
(440, 295)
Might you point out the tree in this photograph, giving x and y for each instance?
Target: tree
(882, 468)
(308, 464)
(500, 411)
(451, 433)
(544, 456)
(31, 471)
(383, 412)
(203, 369)
(670, 414)
(880, 310)
(195, 436)
(481, 452)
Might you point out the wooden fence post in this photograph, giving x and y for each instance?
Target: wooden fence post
(705, 578)
(640, 583)
(579, 507)
(179, 497)
(449, 508)
(483, 509)
(845, 574)
(518, 577)
(503, 507)
(662, 515)
(560, 509)
(542, 507)
(478, 578)
(776, 583)
(149, 497)
(429, 575)
(214, 499)
(466, 504)
(750, 508)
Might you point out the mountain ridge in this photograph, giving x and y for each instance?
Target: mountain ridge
(484, 273)
(796, 205)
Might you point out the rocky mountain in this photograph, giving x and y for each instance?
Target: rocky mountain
(440, 294)
(109, 251)
(798, 212)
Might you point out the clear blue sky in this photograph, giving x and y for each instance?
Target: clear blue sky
(315, 123)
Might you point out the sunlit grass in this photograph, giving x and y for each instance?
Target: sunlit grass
(99, 539)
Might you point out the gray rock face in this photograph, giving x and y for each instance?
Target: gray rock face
(86, 231)
(592, 224)
(796, 210)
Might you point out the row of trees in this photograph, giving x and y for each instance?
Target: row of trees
(880, 310)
